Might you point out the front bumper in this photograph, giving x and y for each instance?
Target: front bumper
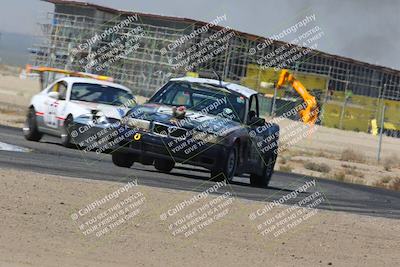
(192, 152)
(97, 137)
(146, 146)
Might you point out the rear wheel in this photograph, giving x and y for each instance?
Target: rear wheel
(164, 165)
(228, 170)
(268, 170)
(30, 129)
(122, 159)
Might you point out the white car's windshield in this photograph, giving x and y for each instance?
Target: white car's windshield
(101, 94)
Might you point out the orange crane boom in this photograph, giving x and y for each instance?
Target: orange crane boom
(42, 69)
(310, 113)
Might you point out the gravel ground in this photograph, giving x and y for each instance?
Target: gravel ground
(38, 230)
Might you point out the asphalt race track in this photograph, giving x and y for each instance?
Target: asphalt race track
(50, 157)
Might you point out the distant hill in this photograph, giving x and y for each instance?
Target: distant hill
(14, 48)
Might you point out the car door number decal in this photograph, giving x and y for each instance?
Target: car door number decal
(50, 117)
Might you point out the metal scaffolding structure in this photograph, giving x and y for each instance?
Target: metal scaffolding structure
(64, 32)
(146, 68)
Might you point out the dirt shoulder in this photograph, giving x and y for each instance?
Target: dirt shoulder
(15, 95)
(37, 230)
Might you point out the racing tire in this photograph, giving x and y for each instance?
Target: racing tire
(268, 169)
(122, 159)
(65, 132)
(30, 129)
(164, 165)
(229, 168)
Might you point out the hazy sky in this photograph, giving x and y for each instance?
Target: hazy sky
(367, 30)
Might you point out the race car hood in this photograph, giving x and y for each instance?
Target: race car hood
(192, 120)
(110, 111)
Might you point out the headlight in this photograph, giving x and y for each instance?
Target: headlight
(97, 117)
(137, 123)
(207, 137)
(102, 119)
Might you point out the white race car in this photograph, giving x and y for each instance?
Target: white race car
(70, 104)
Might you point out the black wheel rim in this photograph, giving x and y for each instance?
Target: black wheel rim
(31, 120)
(269, 167)
(231, 165)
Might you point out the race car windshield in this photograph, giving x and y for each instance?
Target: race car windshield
(101, 94)
(202, 97)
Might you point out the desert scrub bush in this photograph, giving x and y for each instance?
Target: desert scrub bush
(386, 179)
(285, 168)
(390, 162)
(395, 184)
(282, 160)
(351, 155)
(322, 154)
(383, 182)
(319, 167)
(352, 170)
(339, 175)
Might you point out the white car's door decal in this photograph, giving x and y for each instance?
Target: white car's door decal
(50, 114)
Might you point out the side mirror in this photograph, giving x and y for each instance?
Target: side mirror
(256, 121)
(54, 95)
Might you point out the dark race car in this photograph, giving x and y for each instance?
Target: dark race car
(201, 122)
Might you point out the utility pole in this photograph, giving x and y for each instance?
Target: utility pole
(378, 156)
(343, 107)
(273, 102)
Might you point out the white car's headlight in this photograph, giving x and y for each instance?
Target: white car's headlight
(96, 117)
(102, 119)
(138, 123)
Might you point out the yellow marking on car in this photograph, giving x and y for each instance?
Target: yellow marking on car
(137, 136)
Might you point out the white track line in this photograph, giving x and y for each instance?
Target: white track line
(9, 147)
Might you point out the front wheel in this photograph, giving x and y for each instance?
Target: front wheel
(164, 165)
(122, 159)
(65, 132)
(229, 168)
(30, 129)
(268, 170)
